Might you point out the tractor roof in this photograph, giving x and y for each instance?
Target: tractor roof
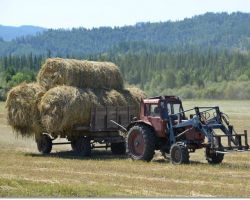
(156, 99)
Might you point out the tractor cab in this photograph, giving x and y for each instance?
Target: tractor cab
(156, 110)
(161, 106)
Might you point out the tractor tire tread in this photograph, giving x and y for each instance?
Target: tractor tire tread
(149, 139)
(213, 158)
(184, 154)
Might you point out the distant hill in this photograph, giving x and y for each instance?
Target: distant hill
(206, 56)
(8, 33)
(216, 30)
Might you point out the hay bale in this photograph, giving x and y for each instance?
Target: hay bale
(62, 107)
(22, 111)
(136, 95)
(79, 73)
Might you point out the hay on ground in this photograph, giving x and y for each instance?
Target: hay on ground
(62, 107)
(80, 73)
(22, 111)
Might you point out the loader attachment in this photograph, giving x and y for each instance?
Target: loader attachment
(209, 121)
(223, 143)
(237, 145)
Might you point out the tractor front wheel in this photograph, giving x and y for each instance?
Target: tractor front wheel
(141, 143)
(213, 157)
(44, 144)
(179, 154)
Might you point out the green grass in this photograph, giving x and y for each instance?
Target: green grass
(34, 188)
(26, 173)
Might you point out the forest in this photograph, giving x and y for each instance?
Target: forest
(206, 56)
(190, 74)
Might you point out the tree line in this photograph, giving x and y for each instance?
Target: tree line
(188, 72)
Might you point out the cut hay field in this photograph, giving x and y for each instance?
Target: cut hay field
(26, 173)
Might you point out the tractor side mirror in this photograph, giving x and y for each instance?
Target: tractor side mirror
(191, 116)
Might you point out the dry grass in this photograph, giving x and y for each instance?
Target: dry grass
(25, 173)
(22, 111)
(80, 73)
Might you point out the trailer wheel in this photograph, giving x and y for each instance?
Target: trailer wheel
(44, 144)
(213, 157)
(179, 154)
(141, 143)
(73, 146)
(118, 148)
(82, 146)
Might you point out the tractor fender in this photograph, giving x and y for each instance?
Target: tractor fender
(148, 124)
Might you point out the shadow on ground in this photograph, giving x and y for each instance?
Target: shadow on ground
(167, 161)
(99, 155)
(95, 155)
(107, 155)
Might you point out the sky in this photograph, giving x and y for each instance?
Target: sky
(96, 13)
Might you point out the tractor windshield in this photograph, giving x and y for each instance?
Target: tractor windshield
(174, 108)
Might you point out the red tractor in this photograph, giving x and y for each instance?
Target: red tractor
(164, 126)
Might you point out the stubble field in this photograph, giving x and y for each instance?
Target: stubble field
(26, 173)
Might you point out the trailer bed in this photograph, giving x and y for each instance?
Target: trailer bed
(102, 117)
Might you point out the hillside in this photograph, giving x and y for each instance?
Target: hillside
(211, 60)
(218, 30)
(8, 33)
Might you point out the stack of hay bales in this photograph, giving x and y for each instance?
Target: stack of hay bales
(66, 91)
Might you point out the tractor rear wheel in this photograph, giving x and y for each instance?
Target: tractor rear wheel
(179, 154)
(44, 144)
(141, 143)
(213, 157)
(81, 146)
(118, 148)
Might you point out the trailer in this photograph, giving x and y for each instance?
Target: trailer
(103, 131)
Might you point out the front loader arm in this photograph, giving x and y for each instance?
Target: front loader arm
(208, 126)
